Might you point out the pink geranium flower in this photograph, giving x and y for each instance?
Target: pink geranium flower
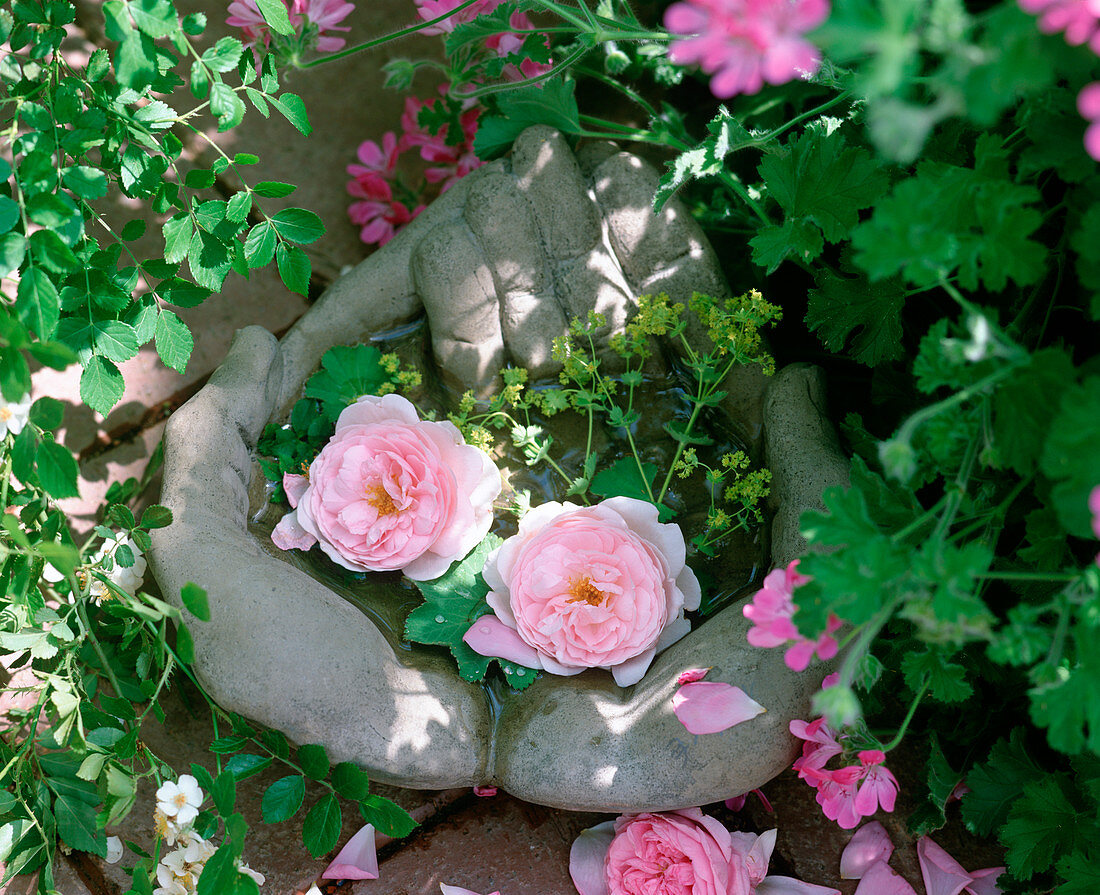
(311, 20)
(391, 491)
(449, 162)
(1079, 19)
(433, 9)
(771, 612)
(506, 43)
(1088, 104)
(604, 586)
(746, 43)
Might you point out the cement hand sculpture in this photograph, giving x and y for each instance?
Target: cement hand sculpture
(499, 264)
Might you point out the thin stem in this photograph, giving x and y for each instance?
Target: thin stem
(1028, 576)
(512, 85)
(82, 614)
(908, 716)
(404, 32)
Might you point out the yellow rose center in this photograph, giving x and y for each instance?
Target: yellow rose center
(180, 800)
(379, 498)
(5, 414)
(582, 590)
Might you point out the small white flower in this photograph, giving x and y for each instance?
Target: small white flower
(114, 850)
(253, 874)
(13, 415)
(128, 578)
(180, 802)
(980, 337)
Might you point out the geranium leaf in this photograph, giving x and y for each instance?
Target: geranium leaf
(996, 783)
(623, 479)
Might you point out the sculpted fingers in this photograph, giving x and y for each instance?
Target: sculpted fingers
(456, 286)
(530, 316)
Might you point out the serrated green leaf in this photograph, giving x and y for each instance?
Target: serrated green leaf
(295, 268)
(195, 601)
(313, 761)
(552, 102)
(36, 303)
(101, 384)
(1043, 826)
(350, 781)
(388, 818)
(798, 239)
(77, 827)
(298, 225)
(9, 213)
(208, 258)
(867, 315)
(946, 680)
(1081, 872)
(819, 177)
(996, 783)
(237, 208)
(173, 340)
(224, 793)
(219, 874)
(87, 182)
(623, 479)
(293, 109)
(57, 470)
(321, 829)
(259, 245)
(283, 798)
(273, 189)
(224, 55)
(226, 105)
(177, 231)
(275, 14)
(346, 374)
(244, 765)
(1069, 456)
(1024, 407)
(13, 249)
(47, 413)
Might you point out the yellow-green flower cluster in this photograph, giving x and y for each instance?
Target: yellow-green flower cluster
(734, 325)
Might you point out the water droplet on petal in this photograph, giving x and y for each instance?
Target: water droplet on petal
(521, 671)
(440, 619)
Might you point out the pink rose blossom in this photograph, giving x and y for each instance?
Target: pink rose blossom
(1088, 104)
(587, 587)
(676, 853)
(1079, 19)
(771, 612)
(745, 43)
(311, 18)
(391, 491)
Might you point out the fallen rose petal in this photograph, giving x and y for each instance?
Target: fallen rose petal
(588, 858)
(485, 790)
(871, 843)
(985, 881)
(289, 534)
(692, 675)
(458, 890)
(489, 636)
(942, 874)
(882, 879)
(711, 706)
(787, 885)
(294, 486)
(357, 859)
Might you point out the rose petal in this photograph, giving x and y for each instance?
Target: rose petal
(711, 706)
(882, 879)
(985, 881)
(294, 486)
(871, 843)
(458, 890)
(674, 631)
(942, 874)
(631, 671)
(289, 534)
(786, 885)
(692, 675)
(485, 790)
(587, 859)
(357, 859)
(489, 636)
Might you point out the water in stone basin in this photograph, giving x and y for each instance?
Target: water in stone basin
(388, 597)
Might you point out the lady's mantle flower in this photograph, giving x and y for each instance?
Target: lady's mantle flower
(180, 802)
(1079, 19)
(745, 43)
(14, 415)
(1088, 104)
(771, 612)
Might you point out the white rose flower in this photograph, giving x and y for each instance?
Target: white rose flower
(14, 415)
(180, 802)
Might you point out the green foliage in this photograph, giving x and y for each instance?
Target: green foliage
(624, 479)
(1044, 826)
(452, 603)
(551, 103)
(854, 312)
(1068, 456)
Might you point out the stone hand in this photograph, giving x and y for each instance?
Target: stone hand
(499, 263)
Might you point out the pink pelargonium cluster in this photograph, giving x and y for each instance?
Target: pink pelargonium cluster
(604, 586)
(1088, 104)
(848, 793)
(312, 19)
(677, 853)
(771, 612)
(391, 492)
(502, 44)
(746, 43)
(1078, 19)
